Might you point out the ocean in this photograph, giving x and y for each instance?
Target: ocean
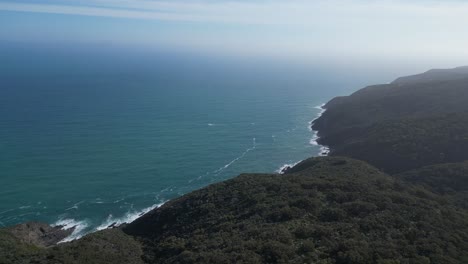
(96, 137)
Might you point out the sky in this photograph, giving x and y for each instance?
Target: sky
(296, 29)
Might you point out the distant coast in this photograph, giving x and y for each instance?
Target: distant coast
(393, 190)
(324, 150)
(412, 122)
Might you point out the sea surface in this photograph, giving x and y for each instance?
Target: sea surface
(90, 138)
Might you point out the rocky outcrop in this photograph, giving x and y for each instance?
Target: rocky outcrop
(40, 234)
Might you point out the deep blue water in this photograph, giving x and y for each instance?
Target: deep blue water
(94, 137)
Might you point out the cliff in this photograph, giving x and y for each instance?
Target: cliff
(413, 122)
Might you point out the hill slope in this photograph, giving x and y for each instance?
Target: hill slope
(450, 180)
(413, 122)
(325, 210)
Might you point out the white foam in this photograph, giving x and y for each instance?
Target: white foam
(210, 124)
(283, 168)
(313, 140)
(310, 126)
(324, 150)
(118, 200)
(320, 107)
(6, 211)
(75, 206)
(126, 219)
(98, 201)
(67, 223)
(81, 227)
(197, 178)
(322, 110)
(254, 146)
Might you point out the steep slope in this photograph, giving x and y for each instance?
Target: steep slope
(408, 143)
(450, 180)
(404, 125)
(435, 75)
(105, 247)
(324, 210)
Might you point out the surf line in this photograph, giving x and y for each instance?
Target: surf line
(324, 150)
(254, 146)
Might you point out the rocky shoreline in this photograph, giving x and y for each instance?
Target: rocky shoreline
(412, 122)
(40, 234)
(394, 189)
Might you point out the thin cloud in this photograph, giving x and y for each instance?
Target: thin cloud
(96, 11)
(227, 12)
(273, 12)
(294, 27)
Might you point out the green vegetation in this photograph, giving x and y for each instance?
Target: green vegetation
(331, 210)
(450, 180)
(12, 250)
(408, 143)
(413, 122)
(325, 210)
(106, 247)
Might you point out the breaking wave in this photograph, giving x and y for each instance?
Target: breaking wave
(324, 150)
(129, 217)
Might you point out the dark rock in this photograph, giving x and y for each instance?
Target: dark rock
(113, 225)
(40, 234)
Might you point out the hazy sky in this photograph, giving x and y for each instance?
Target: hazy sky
(302, 29)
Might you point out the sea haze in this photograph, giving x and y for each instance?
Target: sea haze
(93, 137)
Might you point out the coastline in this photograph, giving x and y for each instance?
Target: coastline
(324, 150)
(308, 199)
(81, 228)
(111, 222)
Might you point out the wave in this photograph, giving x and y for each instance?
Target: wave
(285, 167)
(129, 217)
(254, 146)
(313, 140)
(67, 223)
(98, 202)
(324, 150)
(6, 211)
(75, 206)
(82, 228)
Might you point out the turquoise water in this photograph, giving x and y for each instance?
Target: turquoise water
(93, 139)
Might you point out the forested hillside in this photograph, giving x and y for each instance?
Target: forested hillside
(325, 210)
(405, 201)
(403, 125)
